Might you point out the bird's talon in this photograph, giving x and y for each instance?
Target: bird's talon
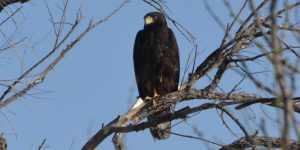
(148, 98)
(153, 102)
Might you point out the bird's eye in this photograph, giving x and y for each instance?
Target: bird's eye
(155, 17)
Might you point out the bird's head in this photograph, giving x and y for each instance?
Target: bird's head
(155, 18)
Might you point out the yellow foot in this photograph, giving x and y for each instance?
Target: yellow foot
(155, 94)
(148, 98)
(161, 79)
(153, 102)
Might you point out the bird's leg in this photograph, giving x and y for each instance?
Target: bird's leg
(161, 79)
(154, 96)
(147, 98)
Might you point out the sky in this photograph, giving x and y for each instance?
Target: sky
(95, 82)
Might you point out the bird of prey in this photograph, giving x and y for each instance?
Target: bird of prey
(156, 65)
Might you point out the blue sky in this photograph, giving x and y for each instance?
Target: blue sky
(95, 82)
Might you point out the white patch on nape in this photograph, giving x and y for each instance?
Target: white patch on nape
(137, 103)
(179, 86)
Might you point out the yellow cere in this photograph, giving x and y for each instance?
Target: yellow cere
(149, 20)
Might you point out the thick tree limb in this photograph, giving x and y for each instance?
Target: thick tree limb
(108, 129)
(116, 124)
(142, 111)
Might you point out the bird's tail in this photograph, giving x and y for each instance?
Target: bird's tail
(163, 130)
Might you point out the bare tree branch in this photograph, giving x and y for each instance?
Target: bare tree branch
(260, 141)
(247, 32)
(219, 58)
(4, 3)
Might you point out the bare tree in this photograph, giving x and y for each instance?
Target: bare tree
(263, 35)
(4, 3)
(65, 40)
(260, 38)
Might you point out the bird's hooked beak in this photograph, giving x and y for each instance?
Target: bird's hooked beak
(149, 20)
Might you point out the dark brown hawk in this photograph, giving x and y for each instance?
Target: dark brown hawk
(156, 64)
